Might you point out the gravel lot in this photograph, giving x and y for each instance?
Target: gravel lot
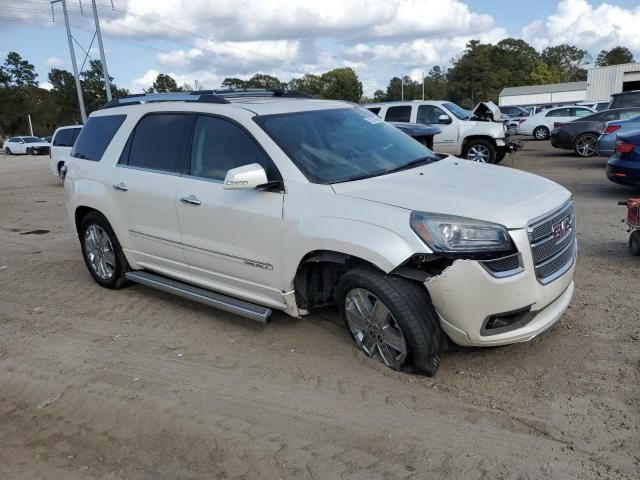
(137, 384)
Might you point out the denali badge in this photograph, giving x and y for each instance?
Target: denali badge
(561, 228)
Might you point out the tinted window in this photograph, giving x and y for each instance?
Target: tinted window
(219, 145)
(13, 140)
(76, 134)
(375, 110)
(342, 144)
(64, 138)
(32, 139)
(157, 142)
(96, 137)
(560, 112)
(429, 114)
(625, 100)
(458, 111)
(398, 114)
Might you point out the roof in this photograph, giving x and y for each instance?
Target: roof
(548, 88)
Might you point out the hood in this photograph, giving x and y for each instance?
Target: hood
(487, 111)
(459, 187)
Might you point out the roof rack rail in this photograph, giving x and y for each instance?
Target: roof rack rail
(205, 96)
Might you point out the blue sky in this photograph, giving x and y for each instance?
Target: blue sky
(207, 40)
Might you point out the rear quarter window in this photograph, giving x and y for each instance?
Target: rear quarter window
(398, 114)
(96, 136)
(64, 138)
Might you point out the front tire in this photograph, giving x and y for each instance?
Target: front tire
(541, 133)
(585, 145)
(102, 252)
(391, 318)
(481, 151)
(29, 151)
(7, 150)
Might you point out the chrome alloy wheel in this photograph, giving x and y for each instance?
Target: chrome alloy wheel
(374, 328)
(479, 153)
(540, 133)
(586, 145)
(99, 252)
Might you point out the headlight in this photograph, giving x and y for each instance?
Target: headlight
(449, 234)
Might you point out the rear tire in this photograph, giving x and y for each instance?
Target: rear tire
(102, 252)
(586, 145)
(481, 151)
(411, 312)
(541, 133)
(634, 242)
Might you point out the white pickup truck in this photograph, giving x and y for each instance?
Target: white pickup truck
(479, 136)
(257, 200)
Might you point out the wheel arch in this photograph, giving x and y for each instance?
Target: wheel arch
(471, 138)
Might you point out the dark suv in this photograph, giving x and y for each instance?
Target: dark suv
(625, 99)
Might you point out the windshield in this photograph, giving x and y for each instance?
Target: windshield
(31, 139)
(458, 111)
(339, 145)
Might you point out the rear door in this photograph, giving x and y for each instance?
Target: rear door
(144, 186)
(232, 239)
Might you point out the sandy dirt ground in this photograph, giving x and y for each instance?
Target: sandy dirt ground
(138, 384)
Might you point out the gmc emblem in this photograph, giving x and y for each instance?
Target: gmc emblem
(561, 229)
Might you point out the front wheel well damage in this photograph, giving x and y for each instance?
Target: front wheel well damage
(319, 272)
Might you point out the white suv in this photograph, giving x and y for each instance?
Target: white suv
(61, 145)
(251, 201)
(473, 135)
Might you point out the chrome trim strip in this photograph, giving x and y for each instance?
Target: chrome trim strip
(213, 299)
(564, 269)
(506, 273)
(555, 255)
(247, 261)
(548, 215)
(150, 170)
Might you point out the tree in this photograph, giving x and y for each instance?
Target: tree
(516, 59)
(615, 56)
(232, 82)
(436, 84)
(567, 62)
(341, 84)
(541, 74)
(308, 83)
(64, 96)
(94, 90)
(18, 72)
(260, 80)
(164, 84)
(379, 96)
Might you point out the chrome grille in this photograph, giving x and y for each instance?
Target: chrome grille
(553, 256)
(504, 266)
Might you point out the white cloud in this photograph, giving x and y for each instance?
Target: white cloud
(54, 62)
(45, 85)
(592, 28)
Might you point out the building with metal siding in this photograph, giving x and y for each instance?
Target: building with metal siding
(550, 94)
(603, 81)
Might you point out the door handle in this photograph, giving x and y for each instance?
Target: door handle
(120, 186)
(191, 200)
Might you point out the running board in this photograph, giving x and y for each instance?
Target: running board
(207, 297)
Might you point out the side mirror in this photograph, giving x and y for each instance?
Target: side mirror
(246, 177)
(445, 119)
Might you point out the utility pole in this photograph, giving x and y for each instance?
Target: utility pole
(402, 87)
(105, 72)
(83, 112)
(30, 124)
(422, 85)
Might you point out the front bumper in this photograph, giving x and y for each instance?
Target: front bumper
(465, 296)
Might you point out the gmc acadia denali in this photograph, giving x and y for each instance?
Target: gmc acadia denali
(256, 200)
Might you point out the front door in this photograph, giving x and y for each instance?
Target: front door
(144, 186)
(232, 239)
(447, 141)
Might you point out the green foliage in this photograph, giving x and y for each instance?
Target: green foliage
(615, 56)
(341, 84)
(164, 84)
(566, 62)
(541, 74)
(17, 72)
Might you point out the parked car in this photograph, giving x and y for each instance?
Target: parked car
(581, 135)
(513, 111)
(25, 145)
(597, 106)
(422, 133)
(609, 136)
(625, 99)
(63, 140)
(251, 204)
(473, 136)
(623, 166)
(541, 124)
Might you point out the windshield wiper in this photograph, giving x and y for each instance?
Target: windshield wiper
(412, 164)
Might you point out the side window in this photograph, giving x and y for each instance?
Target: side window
(158, 142)
(398, 114)
(560, 112)
(580, 112)
(219, 145)
(375, 110)
(12, 140)
(76, 134)
(429, 114)
(96, 137)
(64, 138)
(628, 114)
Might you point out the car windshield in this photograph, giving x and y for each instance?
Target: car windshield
(344, 144)
(31, 139)
(458, 111)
